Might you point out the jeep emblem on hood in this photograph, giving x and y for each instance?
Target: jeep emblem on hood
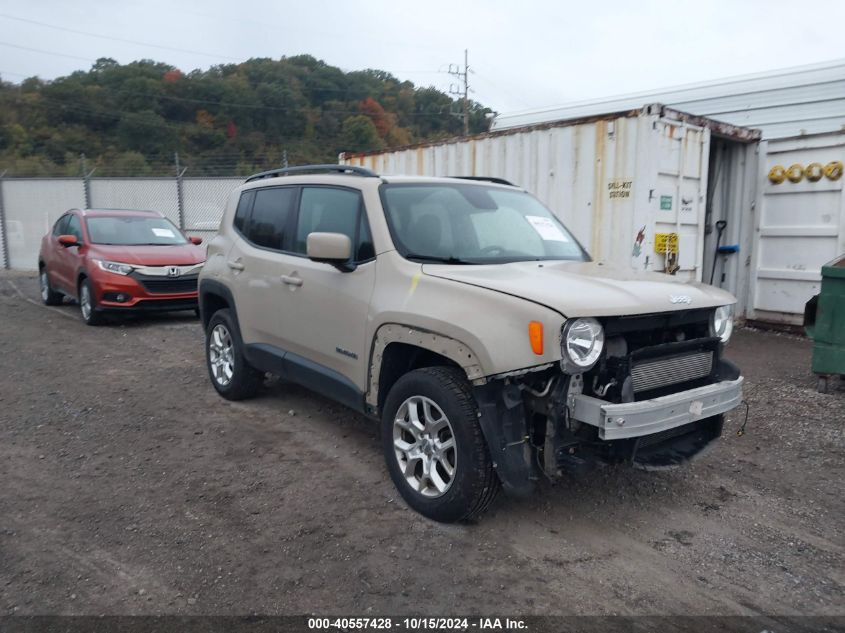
(680, 299)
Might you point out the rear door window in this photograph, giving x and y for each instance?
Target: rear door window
(270, 218)
(242, 212)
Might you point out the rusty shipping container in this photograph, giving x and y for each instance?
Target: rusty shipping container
(632, 186)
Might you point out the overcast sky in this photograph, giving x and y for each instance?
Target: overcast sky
(525, 54)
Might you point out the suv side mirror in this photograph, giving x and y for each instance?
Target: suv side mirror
(196, 241)
(331, 248)
(68, 240)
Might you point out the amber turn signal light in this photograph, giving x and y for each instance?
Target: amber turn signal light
(535, 335)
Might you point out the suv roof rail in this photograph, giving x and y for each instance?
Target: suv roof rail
(128, 210)
(350, 170)
(498, 181)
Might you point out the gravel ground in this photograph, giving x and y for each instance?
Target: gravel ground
(130, 487)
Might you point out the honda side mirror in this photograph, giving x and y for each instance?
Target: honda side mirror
(68, 240)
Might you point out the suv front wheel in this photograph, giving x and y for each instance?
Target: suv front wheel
(49, 296)
(435, 450)
(232, 376)
(88, 303)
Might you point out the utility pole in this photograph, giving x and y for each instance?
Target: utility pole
(455, 89)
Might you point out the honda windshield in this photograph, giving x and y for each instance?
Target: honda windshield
(474, 224)
(133, 231)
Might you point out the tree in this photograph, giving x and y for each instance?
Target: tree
(371, 108)
(226, 117)
(128, 164)
(359, 134)
(146, 132)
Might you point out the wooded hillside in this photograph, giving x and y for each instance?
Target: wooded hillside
(231, 119)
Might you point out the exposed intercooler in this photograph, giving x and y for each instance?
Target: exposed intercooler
(662, 372)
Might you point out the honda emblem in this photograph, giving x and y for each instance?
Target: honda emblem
(173, 271)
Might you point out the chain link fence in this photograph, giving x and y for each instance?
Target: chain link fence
(30, 206)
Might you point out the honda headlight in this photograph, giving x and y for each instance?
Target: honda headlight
(722, 323)
(115, 267)
(582, 341)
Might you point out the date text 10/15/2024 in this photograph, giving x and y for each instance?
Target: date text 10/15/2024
(416, 624)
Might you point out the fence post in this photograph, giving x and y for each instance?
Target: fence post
(180, 200)
(86, 180)
(3, 226)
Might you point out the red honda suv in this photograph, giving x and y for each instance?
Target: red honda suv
(120, 262)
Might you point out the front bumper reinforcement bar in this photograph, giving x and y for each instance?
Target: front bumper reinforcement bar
(635, 419)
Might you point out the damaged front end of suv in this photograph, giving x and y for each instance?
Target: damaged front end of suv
(648, 389)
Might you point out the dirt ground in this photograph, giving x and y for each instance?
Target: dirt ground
(130, 487)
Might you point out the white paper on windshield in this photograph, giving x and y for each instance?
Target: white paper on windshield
(546, 228)
(163, 232)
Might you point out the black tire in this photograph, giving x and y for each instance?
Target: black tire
(49, 296)
(245, 380)
(474, 483)
(90, 315)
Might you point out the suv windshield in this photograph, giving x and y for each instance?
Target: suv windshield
(474, 224)
(133, 231)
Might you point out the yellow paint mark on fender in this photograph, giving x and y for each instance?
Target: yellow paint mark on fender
(415, 280)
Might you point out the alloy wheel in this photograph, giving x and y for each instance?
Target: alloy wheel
(424, 445)
(85, 301)
(221, 355)
(45, 285)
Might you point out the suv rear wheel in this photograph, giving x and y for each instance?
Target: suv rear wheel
(230, 373)
(49, 296)
(435, 450)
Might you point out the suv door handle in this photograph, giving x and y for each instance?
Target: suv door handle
(235, 264)
(291, 281)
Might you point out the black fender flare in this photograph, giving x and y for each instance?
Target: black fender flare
(212, 287)
(502, 419)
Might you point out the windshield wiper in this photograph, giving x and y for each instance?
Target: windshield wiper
(439, 259)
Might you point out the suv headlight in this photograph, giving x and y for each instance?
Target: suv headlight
(722, 323)
(582, 341)
(115, 267)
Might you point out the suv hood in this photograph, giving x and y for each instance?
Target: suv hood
(578, 289)
(145, 255)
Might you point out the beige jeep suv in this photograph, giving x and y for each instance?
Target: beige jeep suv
(466, 318)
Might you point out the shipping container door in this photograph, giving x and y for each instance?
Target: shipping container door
(800, 223)
(677, 202)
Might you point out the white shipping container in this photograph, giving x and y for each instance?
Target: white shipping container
(617, 181)
(800, 225)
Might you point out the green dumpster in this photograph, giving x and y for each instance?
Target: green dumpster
(824, 322)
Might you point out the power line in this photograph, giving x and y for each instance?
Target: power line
(495, 86)
(437, 110)
(39, 50)
(114, 39)
(334, 35)
(345, 91)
